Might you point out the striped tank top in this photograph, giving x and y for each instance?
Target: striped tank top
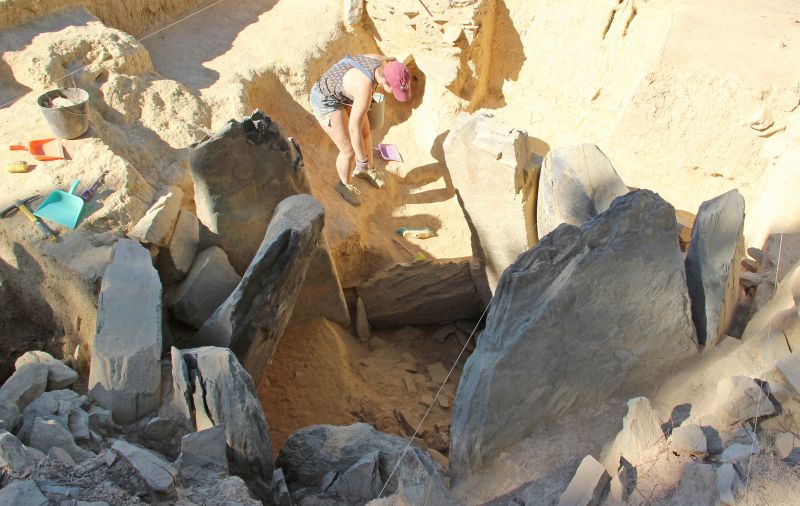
(330, 83)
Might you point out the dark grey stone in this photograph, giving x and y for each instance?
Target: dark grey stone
(576, 184)
(230, 396)
(712, 264)
(311, 453)
(596, 311)
(254, 316)
(421, 293)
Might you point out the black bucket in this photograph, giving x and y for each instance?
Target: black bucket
(70, 121)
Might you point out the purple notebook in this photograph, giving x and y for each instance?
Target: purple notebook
(389, 152)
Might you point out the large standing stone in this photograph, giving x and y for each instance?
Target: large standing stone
(587, 486)
(59, 375)
(157, 224)
(152, 467)
(210, 281)
(313, 452)
(421, 293)
(175, 260)
(240, 174)
(25, 385)
(230, 395)
(712, 264)
(487, 163)
(125, 374)
(596, 311)
(576, 184)
(641, 430)
(255, 315)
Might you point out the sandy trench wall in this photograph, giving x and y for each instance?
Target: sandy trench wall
(132, 16)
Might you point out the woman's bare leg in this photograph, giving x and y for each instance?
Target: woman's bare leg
(337, 131)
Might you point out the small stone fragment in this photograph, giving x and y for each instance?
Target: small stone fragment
(438, 373)
(587, 485)
(688, 440)
(47, 434)
(154, 469)
(13, 454)
(742, 399)
(739, 453)
(785, 443)
(156, 226)
(205, 449)
(60, 455)
(728, 483)
(362, 323)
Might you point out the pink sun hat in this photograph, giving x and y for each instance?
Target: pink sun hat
(399, 78)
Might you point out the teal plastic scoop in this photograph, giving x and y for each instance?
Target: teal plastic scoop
(62, 207)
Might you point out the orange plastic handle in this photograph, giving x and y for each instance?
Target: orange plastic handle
(17, 147)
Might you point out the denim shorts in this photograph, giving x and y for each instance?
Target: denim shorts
(323, 106)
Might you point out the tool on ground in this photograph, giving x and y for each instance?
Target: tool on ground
(416, 233)
(17, 167)
(62, 207)
(22, 205)
(44, 150)
(89, 192)
(389, 152)
(418, 257)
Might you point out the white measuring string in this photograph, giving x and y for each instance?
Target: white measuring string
(137, 41)
(769, 332)
(419, 426)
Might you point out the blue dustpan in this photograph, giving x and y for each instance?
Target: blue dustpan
(62, 207)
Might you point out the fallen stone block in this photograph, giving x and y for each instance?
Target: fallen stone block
(100, 419)
(362, 481)
(60, 455)
(688, 440)
(176, 259)
(604, 305)
(240, 174)
(78, 421)
(282, 496)
(789, 368)
(22, 493)
(254, 316)
(740, 398)
(230, 396)
(728, 484)
(587, 486)
(420, 294)
(156, 226)
(575, 185)
(25, 385)
(739, 453)
(156, 472)
(59, 375)
(321, 294)
(313, 452)
(125, 374)
(47, 434)
(13, 454)
(713, 265)
(210, 281)
(785, 444)
(50, 405)
(204, 449)
(10, 416)
(487, 160)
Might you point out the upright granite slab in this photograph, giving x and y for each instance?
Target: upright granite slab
(576, 184)
(125, 374)
(487, 160)
(713, 264)
(254, 316)
(229, 394)
(588, 313)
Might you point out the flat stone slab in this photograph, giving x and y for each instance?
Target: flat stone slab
(59, 375)
(154, 469)
(210, 281)
(25, 385)
(713, 264)
(253, 318)
(587, 485)
(156, 226)
(742, 399)
(125, 374)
